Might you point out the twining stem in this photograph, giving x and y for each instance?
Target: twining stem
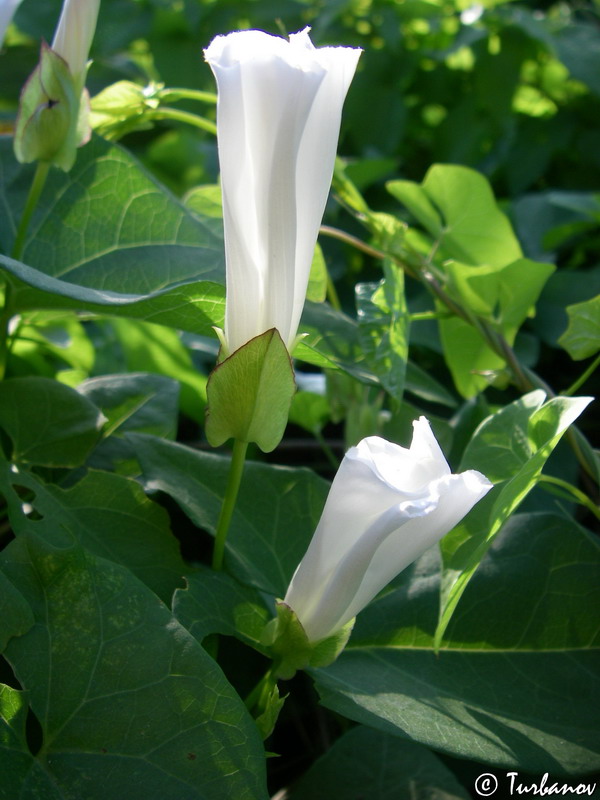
(173, 95)
(35, 190)
(578, 495)
(39, 179)
(236, 469)
(583, 377)
(332, 295)
(524, 379)
(165, 112)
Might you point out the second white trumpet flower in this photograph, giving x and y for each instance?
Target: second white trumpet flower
(387, 505)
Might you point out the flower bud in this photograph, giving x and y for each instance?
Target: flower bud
(74, 34)
(54, 108)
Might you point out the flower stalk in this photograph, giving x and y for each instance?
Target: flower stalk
(234, 480)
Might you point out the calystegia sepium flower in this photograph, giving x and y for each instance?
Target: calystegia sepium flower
(387, 505)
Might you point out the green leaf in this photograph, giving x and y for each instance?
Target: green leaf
(425, 386)
(513, 446)
(316, 290)
(109, 515)
(276, 513)
(331, 341)
(249, 393)
(582, 337)
(45, 337)
(140, 402)
(402, 769)
(155, 348)
(505, 296)
(577, 45)
(104, 648)
(15, 614)
(196, 306)
(49, 424)
(214, 602)
(107, 237)
(474, 365)
(130, 402)
(207, 203)
(383, 324)
(310, 410)
(518, 671)
(15, 758)
(457, 207)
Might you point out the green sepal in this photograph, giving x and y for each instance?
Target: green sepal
(250, 392)
(49, 127)
(290, 648)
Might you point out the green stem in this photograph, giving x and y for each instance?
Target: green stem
(422, 316)
(173, 95)
(164, 112)
(326, 449)
(39, 179)
(236, 469)
(524, 379)
(576, 493)
(332, 295)
(582, 378)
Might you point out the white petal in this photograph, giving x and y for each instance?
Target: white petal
(74, 33)
(393, 541)
(277, 133)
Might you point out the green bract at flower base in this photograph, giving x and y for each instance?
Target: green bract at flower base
(249, 394)
(52, 119)
(291, 649)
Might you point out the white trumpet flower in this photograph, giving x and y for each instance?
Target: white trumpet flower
(386, 506)
(278, 120)
(74, 34)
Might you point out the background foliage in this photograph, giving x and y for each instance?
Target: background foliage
(462, 240)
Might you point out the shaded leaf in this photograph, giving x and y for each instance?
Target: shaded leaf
(49, 424)
(369, 763)
(160, 706)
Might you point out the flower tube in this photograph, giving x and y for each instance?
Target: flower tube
(74, 34)
(278, 120)
(386, 506)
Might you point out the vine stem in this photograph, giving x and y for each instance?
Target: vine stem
(524, 379)
(236, 469)
(578, 495)
(37, 185)
(165, 112)
(173, 95)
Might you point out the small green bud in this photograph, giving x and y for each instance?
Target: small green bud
(122, 108)
(48, 123)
